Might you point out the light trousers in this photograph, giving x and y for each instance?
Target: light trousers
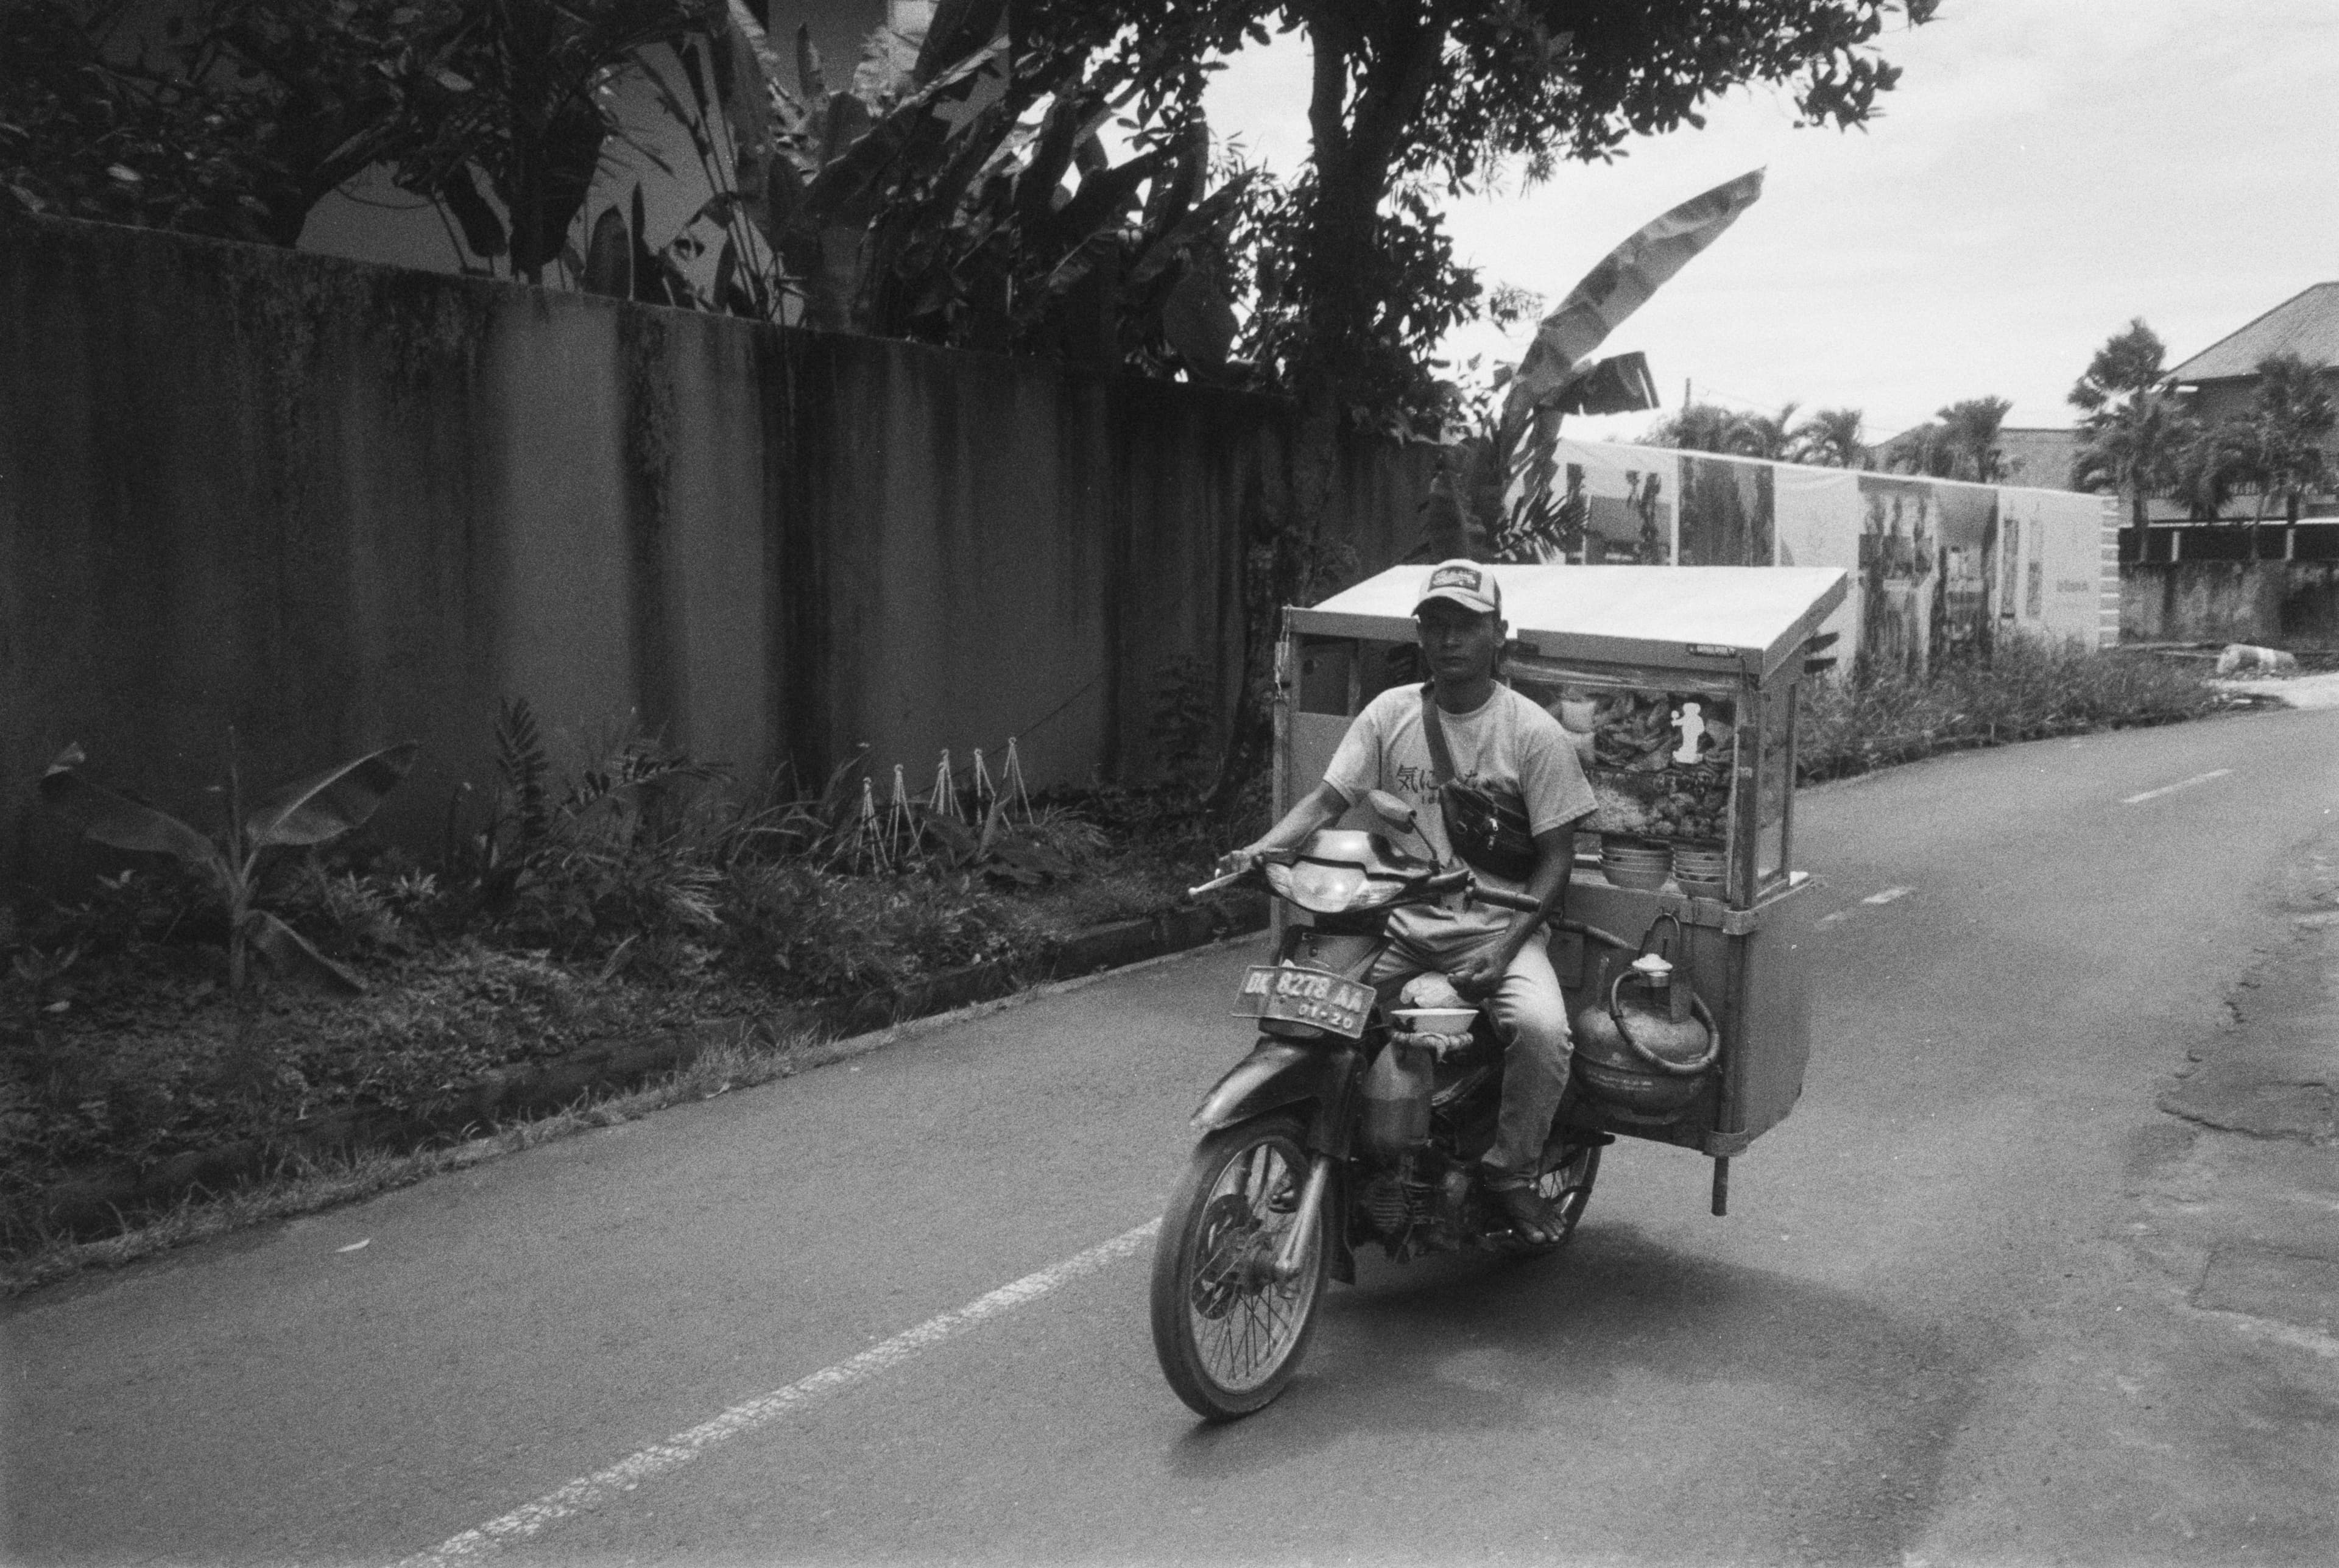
(1530, 1018)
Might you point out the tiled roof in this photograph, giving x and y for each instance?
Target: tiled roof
(2306, 324)
(2036, 457)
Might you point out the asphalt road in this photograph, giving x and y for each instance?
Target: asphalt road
(1938, 1326)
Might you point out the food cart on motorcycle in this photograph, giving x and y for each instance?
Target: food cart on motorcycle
(1679, 685)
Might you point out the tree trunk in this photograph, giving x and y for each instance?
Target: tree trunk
(1358, 127)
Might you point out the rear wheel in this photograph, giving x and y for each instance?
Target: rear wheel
(1228, 1334)
(1565, 1186)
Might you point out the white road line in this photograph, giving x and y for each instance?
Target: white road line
(588, 1491)
(2180, 783)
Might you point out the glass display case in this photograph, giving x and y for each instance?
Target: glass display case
(1678, 687)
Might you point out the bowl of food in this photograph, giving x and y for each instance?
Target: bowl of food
(1435, 1020)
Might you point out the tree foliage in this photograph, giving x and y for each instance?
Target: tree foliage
(2132, 439)
(1832, 438)
(2139, 440)
(1414, 100)
(2285, 434)
(1960, 442)
(2126, 368)
(236, 117)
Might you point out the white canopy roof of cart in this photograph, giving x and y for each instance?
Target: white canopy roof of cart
(1753, 616)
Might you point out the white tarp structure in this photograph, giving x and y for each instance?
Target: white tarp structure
(1938, 567)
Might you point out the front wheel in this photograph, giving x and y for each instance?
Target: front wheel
(1228, 1334)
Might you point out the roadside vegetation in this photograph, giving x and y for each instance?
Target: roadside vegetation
(631, 896)
(161, 1013)
(2029, 690)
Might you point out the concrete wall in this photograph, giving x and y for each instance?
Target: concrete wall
(336, 505)
(2271, 602)
(1939, 567)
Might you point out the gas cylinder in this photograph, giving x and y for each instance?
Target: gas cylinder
(1396, 1096)
(1662, 1020)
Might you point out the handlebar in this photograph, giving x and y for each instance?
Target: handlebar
(1518, 901)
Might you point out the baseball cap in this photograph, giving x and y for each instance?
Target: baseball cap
(1466, 583)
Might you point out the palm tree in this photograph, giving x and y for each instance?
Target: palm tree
(1969, 430)
(2136, 447)
(2288, 424)
(1831, 439)
(2207, 469)
(2134, 440)
(1761, 435)
(1698, 427)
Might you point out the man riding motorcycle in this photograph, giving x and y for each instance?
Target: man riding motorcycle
(1496, 781)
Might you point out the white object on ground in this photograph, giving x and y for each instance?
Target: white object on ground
(2250, 656)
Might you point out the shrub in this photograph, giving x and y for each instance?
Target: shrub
(2029, 689)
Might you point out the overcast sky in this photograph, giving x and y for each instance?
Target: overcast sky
(2045, 170)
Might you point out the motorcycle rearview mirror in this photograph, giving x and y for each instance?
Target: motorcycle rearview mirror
(1398, 816)
(1392, 811)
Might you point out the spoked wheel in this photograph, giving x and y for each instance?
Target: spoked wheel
(1228, 1333)
(1565, 1185)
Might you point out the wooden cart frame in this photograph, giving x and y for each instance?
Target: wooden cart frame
(1731, 636)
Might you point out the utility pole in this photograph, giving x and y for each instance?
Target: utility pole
(1685, 392)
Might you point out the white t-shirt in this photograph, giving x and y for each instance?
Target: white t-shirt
(1507, 747)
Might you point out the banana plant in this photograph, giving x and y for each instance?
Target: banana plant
(307, 811)
(922, 202)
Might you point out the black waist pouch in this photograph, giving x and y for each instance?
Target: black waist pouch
(1489, 832)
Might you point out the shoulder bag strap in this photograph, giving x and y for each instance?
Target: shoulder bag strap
(1441, 761)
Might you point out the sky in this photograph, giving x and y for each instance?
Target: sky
(2046, 170)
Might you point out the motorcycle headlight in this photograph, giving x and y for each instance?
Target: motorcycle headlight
(1331, 887)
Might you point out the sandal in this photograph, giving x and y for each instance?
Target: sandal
(1528, 1211)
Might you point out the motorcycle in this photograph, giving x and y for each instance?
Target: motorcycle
(1354, 1120)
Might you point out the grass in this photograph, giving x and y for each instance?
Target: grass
(2029, 691)
(300, 1186)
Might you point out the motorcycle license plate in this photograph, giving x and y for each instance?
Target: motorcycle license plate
(1305, 996)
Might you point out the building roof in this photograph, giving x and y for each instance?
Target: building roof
(2037, 455)
(2305, 324)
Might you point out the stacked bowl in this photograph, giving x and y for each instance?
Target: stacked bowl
(1700, 869)
(1642, 863)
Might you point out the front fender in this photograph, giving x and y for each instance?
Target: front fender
(1275, 1073)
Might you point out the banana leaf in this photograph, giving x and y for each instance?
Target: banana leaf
(329, 803)
(289, 953)
(1190, 229)
(1104, 197)
(120, 821)
(958, 28)
(1052, 155)
(609, 257)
